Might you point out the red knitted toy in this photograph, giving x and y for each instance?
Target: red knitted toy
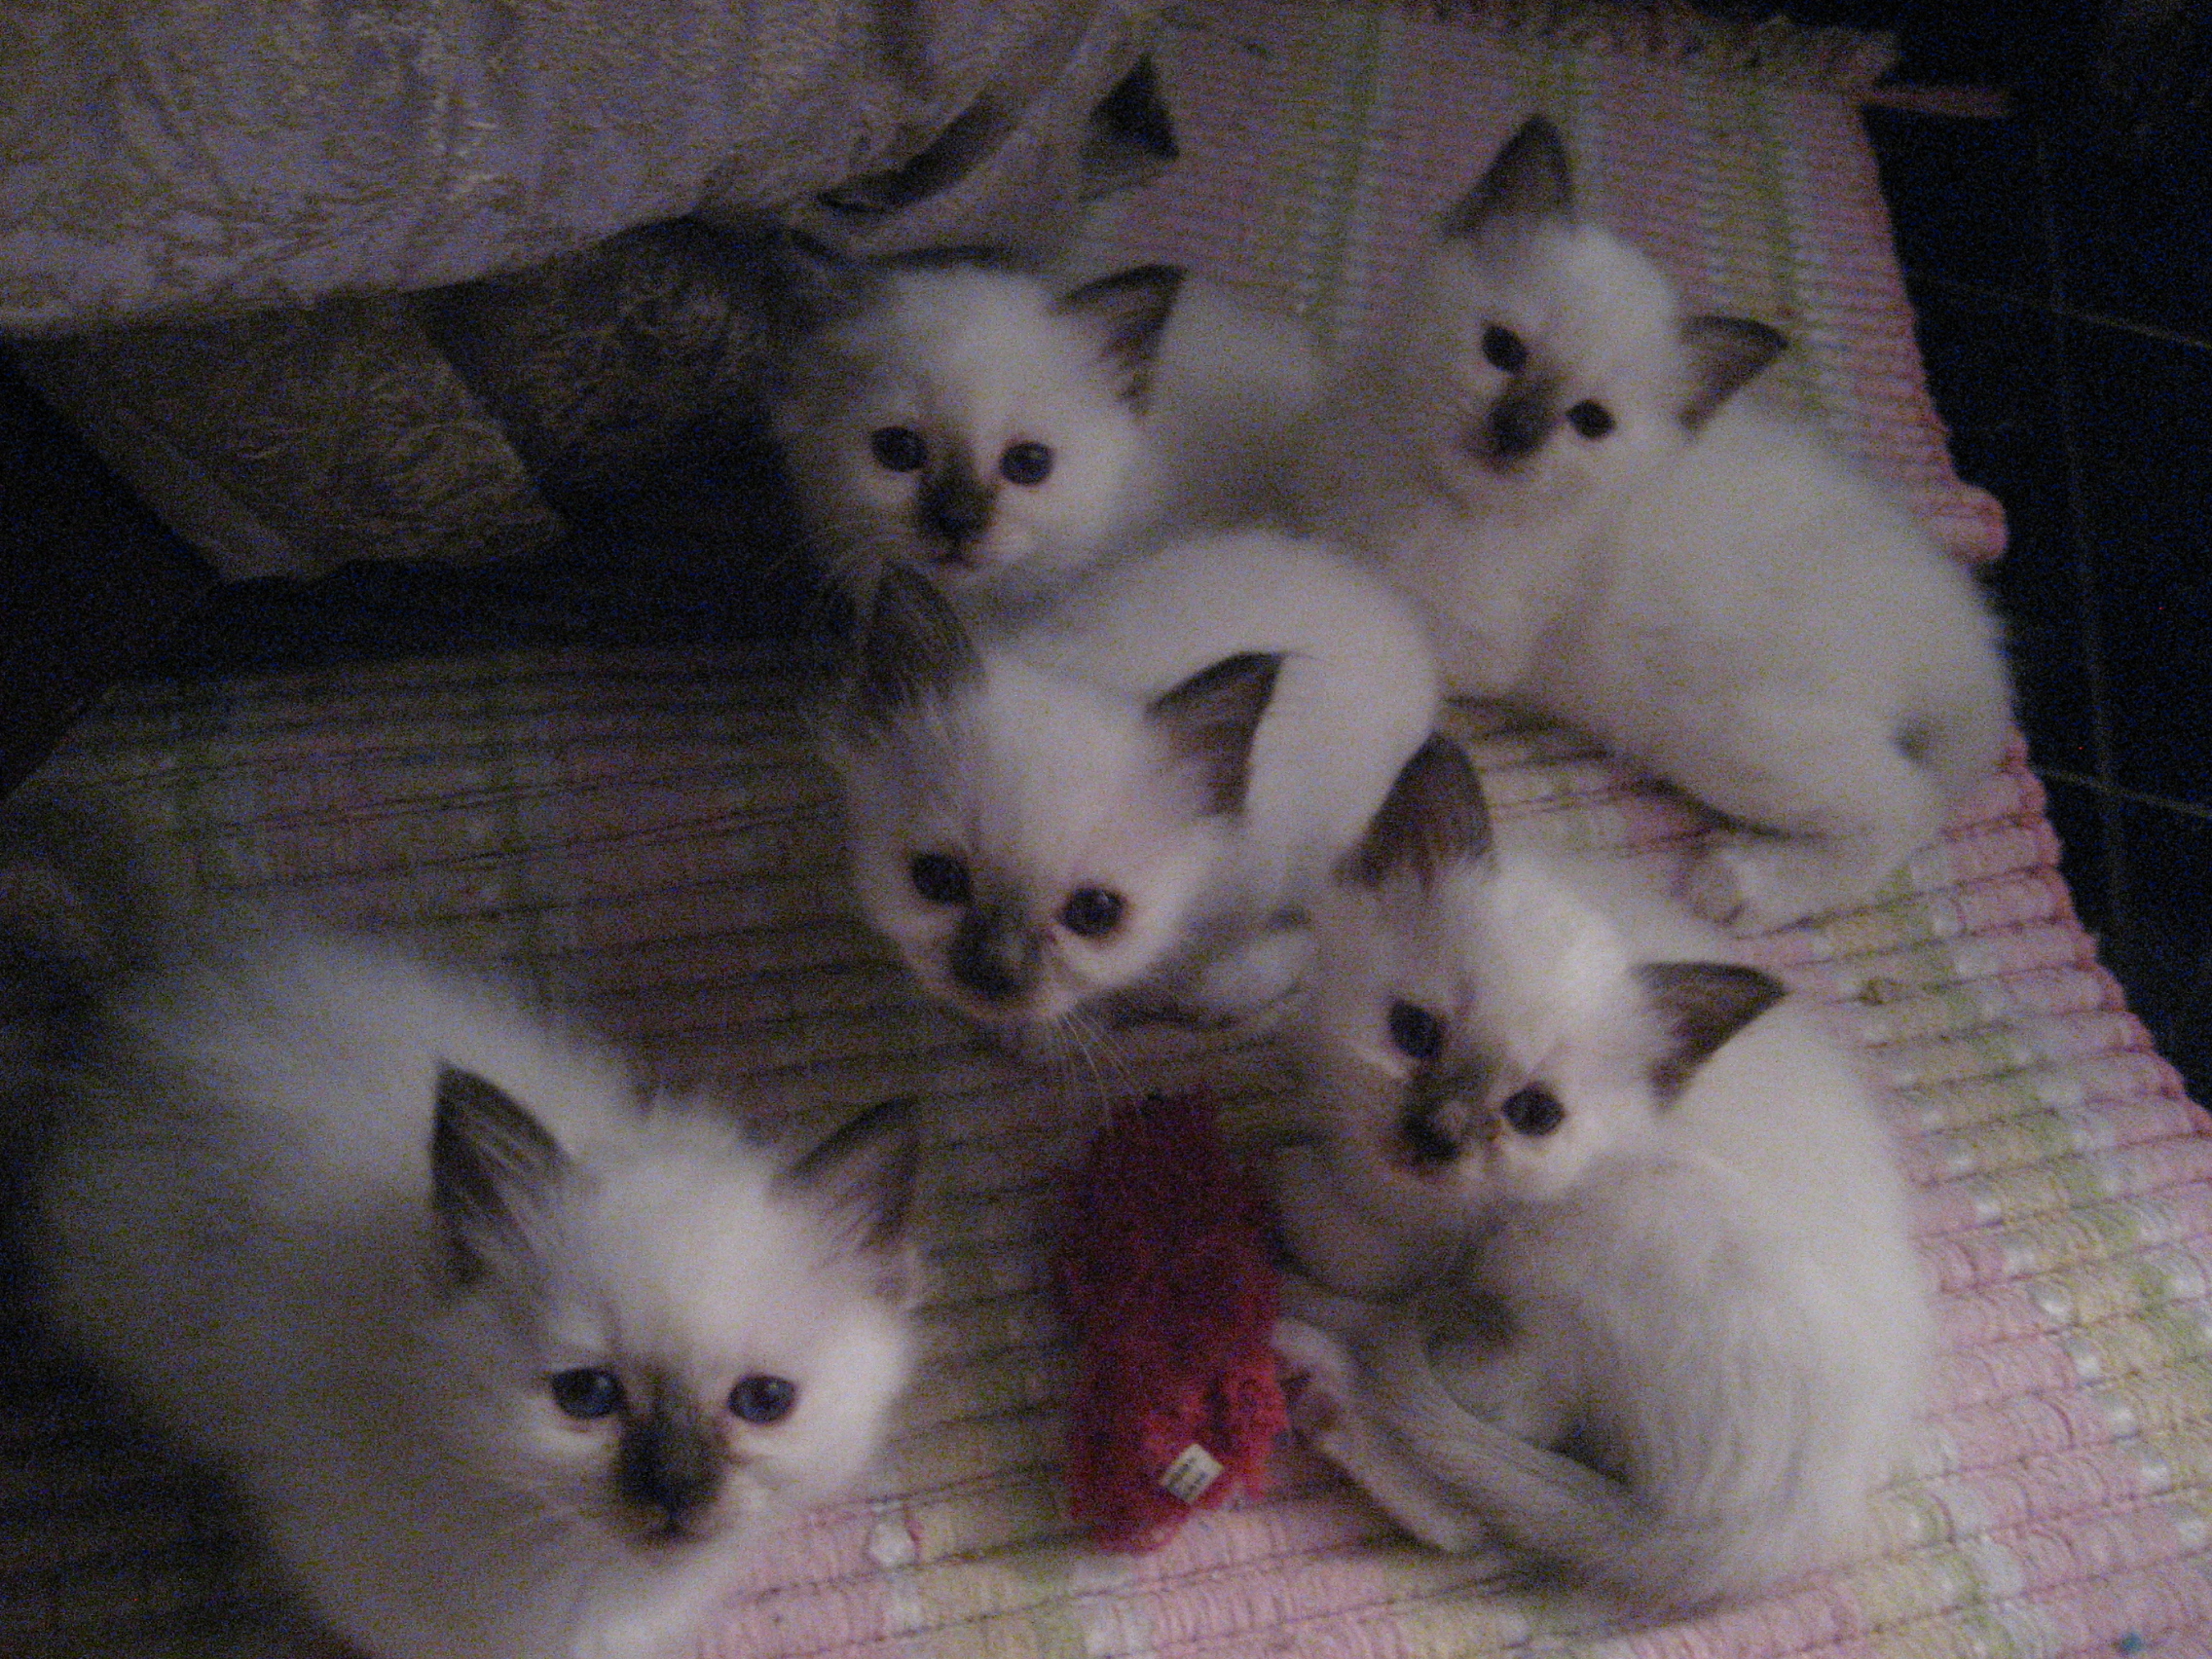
(1164, 1271)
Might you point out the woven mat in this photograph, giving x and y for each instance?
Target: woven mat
(646, 834)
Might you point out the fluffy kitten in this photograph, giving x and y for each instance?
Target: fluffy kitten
(502, 1352)
(960, 418)
(1616, 1257)
(1545, 451)
(1123, 797)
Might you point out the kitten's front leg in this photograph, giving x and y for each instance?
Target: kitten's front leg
(1831, 803)
(1328, 1409)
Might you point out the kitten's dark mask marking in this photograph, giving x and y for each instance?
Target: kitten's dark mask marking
(1703, 1004)
(668, 1464)
(1432, 819)
(994, 956)
(953, 508)
(1520, 421)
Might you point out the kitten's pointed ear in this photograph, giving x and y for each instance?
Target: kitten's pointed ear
(1725, 351)
(1530, 178)
(493, 1167)
(1209, 720)
(860, 1182)
(1704, 1004)
(1128, 310)
(812, 285)
(1432, 818)
(913, 648)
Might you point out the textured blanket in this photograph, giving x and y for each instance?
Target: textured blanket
(645, 834)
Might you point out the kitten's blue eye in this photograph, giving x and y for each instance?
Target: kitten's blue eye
(1025, 464)
(1418, 1033)
(586, 1393)
(762, 1399)
(899, 448)
(1591, 419)
(1502, 350)
(1534, 1111)
(1092, 912)
(940, 878)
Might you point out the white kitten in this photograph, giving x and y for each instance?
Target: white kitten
(1132, 786)
(500, 1351)
(1544, 451)
(959, 416)
(1620, 1258)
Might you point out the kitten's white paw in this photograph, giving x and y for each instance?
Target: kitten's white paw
(1317, 1379)
(1744, 886)
(1258, 979)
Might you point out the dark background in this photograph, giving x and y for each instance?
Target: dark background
(2058, 257)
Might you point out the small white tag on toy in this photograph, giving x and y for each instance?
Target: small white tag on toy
(1193, 1473)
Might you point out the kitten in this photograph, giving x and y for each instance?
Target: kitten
(1612, 1255)
(1545, 451)
(502, 1352)
(1121, 800)
(957, 416)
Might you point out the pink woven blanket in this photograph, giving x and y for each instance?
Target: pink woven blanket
(647, 835)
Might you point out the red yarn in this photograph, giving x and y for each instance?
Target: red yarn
(1164, 1271)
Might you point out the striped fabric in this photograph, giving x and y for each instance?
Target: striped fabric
(645, 834)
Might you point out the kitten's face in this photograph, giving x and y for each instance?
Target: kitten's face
(1483, 1038)
(1543, 362)
(1032, 848)
(1478, 1034)
(1029, 842)
(969, 423)
(670, 1337)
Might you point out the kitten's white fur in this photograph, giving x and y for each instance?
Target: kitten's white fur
(1708, 586)
(1051, 763)
(237, 1222)
(1154, 419)
(1711, 1300)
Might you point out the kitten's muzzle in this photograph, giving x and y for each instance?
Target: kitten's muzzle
(1444, 1112)
(954, 509)
(1519, 422)
(669, 1465)
(993, 956)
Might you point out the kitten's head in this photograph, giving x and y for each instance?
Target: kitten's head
(656, 1337)
(1029, 841)
(1479, 1033)
(962, 419)
(1543, 362)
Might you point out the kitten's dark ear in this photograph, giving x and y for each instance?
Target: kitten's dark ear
(860, 1181)
(913, 648)
(812, 285)
(1704, 1004)
(493, 1168)
(1432, 818)
(1530, 177)
(1128, 310)
(1208, 723)
(1725, 351)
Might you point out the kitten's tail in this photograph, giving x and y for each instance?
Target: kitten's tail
(1561, 1510)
